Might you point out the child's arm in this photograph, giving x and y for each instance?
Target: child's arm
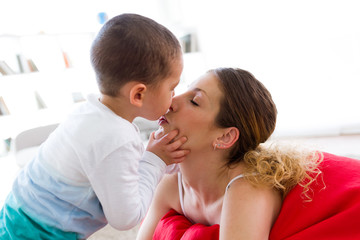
(125, 182)
(168, 148)
(166, 198)
(125, 186)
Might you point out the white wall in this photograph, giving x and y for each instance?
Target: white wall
(306, 52)
(56, 16)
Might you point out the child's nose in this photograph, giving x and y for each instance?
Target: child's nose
(174, 105)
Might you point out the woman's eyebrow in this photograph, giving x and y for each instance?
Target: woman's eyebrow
(200, 90)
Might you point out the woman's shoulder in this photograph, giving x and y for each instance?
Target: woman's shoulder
(239, 186)
(245, 204)
(245, 193)
(168, 191)
(169, 181)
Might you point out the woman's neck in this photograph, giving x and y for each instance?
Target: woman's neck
(205, 178)
(205, 175)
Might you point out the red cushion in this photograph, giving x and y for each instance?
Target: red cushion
(333, 213)
(175, 226)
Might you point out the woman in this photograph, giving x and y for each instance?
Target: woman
(229, 178)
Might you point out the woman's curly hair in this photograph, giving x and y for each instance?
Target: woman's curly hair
(283, 167)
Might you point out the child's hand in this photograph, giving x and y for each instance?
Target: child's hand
(167, 149)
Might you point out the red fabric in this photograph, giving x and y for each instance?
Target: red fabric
(175, 226)
(333, 213)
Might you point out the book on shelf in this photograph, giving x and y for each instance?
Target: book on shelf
(45, 51)
(22, 102)
(26, 65)
(189, 43)
(23, 63)
(3, 108)
(68, 63)
(32, 66)
(39, 101)
(53, 97)
(5, 69)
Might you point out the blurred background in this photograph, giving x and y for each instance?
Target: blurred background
(307, 53)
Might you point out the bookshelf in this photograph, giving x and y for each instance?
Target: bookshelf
(43, 52)
(42, 76)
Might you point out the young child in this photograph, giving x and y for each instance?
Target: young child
(92, 170)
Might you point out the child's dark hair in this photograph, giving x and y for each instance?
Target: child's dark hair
(130, 47)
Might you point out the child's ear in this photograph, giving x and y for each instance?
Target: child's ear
(137, 93)
(228, 138)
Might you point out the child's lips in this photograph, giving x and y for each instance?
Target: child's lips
(162, 120)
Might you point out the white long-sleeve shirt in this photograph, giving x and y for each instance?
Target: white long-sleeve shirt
(91, 170)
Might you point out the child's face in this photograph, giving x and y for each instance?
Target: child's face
(159, 99)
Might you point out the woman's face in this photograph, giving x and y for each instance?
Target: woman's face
(193, 113)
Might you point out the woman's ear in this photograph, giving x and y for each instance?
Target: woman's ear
(137, 93)
(229, 137)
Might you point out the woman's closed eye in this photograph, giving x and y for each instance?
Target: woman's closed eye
(194, 103)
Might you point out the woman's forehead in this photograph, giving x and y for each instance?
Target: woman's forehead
(209, 85)
(206, 83)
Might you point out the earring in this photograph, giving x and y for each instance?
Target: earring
(217, 145)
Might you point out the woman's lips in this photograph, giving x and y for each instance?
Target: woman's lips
(162, 120)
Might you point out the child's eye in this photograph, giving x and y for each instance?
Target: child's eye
(194, 103)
